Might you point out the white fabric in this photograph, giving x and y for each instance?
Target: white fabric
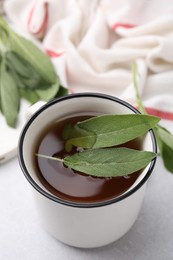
(93, 44)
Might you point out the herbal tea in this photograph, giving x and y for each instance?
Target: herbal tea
(71, 185)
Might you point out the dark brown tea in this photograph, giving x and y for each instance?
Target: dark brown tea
(71, 185)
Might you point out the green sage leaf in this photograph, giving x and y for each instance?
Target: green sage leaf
(67, 131)
(29, 94)
(163, 136)
(109, 162)
(62, 92)
(10, 100)
(165, 142)
(48, 93)
(3, 39)
(27, 77)
(19, 64)
(25, 72)
(30, 69)
(34, 55)
(110, 130)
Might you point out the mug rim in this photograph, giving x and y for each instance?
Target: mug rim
(71, 203)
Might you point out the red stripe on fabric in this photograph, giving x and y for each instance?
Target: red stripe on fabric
(44, 23)
(159, 113)
(30, 16)
(124, 25)
(53, 54)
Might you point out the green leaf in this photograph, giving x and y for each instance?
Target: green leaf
(109, 162)
(49, 93)
(165, 142)
(62, 92)
(29, 95)
(10, 100)
(19, 64)
(66, 131)
(163, 136)
(79, 138)
(167, 156)
(26, 75)
(110, 130)
(30, 69)
(65, 135)
(3, 39)
(34, 55)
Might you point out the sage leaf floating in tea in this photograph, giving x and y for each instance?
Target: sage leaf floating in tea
(109, 130)
(109, 162)
(97, 135)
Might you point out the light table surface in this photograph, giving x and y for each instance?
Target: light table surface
(23, 238)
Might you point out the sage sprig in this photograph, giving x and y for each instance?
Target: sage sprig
(25, 72)
(163, 136)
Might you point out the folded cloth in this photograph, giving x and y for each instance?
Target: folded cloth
(93, 43)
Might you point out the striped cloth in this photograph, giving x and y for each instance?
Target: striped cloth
(93, 44)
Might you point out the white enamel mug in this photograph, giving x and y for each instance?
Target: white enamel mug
(79, 224)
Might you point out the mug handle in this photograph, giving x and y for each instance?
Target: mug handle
(6, 156)
(33, 108)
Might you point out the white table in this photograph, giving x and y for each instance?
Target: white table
(23, 238)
